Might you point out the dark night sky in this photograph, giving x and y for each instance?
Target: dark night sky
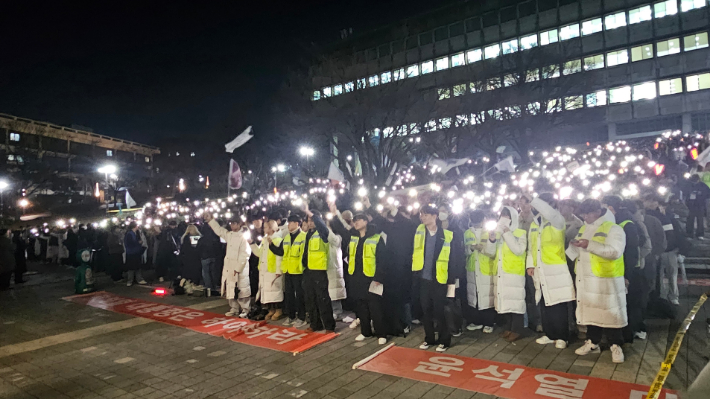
(149, 70)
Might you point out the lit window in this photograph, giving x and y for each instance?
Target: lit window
(596, 99)
(553, 106)
(386, 77)
(337, 90)
(430, 126)
(327, 92)
(147, 159)
(667, 47)
(350, 86)
(177, 154)
(552, 71)
(412, 71)
(642, 52)
(478, 118)
(14, 136)
(373, 80)
(644, 91)
(15, 159)
(444, 93)
(442, 63)
(473, 55)
(548, 37)
(574, 102)
(399, 74)
(620, 95)
(571, 67)
(316, 95)
(694, 42)
(361, 84)
(444, 123)
(492, 84)
(388, 132)
(512, 112)
(457, 60)
(192, 154)
(461, 120)
(687, 5)
(670, 86)
(591, 26)
(414, 128)
(697, 82)
(427, 67)
(617, 57)
(109, 153)
(495, 114)
(459, 90)
(476, 87)
(665, 8)
(492, 51)
(640, 14)
(569, 32)
(528, 42)
(533, 108)
(594, 62)
(532, 75)
(614, 21)
(510, 80)
(510, 46)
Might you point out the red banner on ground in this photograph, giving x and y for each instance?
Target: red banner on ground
(233, 328)
(500, 379)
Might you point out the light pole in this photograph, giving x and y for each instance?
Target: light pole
(3, 186)
(24, 203)
(307, 152)
(275, 170)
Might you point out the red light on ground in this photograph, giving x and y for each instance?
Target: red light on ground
(160, 291)
(659, 168)
(694, 153)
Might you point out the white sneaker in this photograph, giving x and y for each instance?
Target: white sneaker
(487, 330)
(407, 330)
(142, 282)
(288, 322)
(299, 323)
(675, 302)
(560, 344)
(161, 280)
(587, 348)
(232, 313)
(442, 348)
(130, 283)
(360, 337)
(243, 314)
(474, 327)
(544, 340)
(416, 321)
(355, 323)
(424, 346)
(640, 334)
(617, 355)
(382, 341)
(457, 333)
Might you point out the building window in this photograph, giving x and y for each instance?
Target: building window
(445, 123)
(553, 106)
(337, 90)
(665, 8)
(667, 47)
(571, 67)
(15, 159)
(596, 99)
(617, 57)
(373, 80)
(399, 74)
(461, 120)
(350, 86)
(147, 159)
(361, 83)
(386, 77)
(412, 71)
(492, 51)
(14, 136)
(640, 14)
(694, 42)
(532, 75)
(496, 114)
(430, 126)
(457, 60)
(192, 154)
(592, 26)
(533, 108)
(552, 71)
(569, 32)
(510, 46)
(327, 92)
(642, 52)
(574, 102)
(473, 55)
(442, 63)
(670, 86)
(614, 21)
(109, 153)
(444, 93)
(528, 42)
(492, 84)
(513, 112)
(476, 87)
(427, 67)
(644, 91)
(459, 90)
(594, 62)
(510, 79)
(316, 95)
(697, 82)
(687, 5)
(548, 37)
(620, 95)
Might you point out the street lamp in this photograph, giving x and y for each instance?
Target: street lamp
(108, 170)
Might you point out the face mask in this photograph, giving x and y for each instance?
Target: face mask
(443, 216)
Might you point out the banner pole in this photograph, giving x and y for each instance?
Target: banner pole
(374, 355)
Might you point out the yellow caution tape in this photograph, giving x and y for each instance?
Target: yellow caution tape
(665, 369)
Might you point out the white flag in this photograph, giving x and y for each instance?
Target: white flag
(334, 173)
(130, 203)
(239, 140)
(506, 165)
(704, 157)
(447, 165)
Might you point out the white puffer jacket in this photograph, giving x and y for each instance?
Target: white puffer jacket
(235, 273)
(336, 281)
(600, 301)
(509, 288)
(553, 282)
(479, 287)
(271, 288)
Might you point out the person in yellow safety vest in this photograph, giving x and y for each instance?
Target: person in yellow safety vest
(598, 251)
(480, 272)
(435, 253)
(291, 251)
(509, 282)
(316, 254)
(270, 290)
(547, 264)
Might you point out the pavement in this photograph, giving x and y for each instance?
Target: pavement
(51, 348)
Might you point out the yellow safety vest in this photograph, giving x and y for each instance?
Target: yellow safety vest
(469, 238)
(622, 224)
(487, 264)
(442, 263)
(270, 256)
(318, 251)
(293, 252)
(552, 247)
(512, 263)
(602, 267)
(369, 252)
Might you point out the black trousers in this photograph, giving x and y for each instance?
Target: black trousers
(370, 310)
(485, 317)
(693, 215)
(116, 266)
(555, 320)
(636, 301)
(532, 308)
(513, 322)
(5, 280)
(294, 302)
(613, 335)
(320, 309)
(433, 299)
